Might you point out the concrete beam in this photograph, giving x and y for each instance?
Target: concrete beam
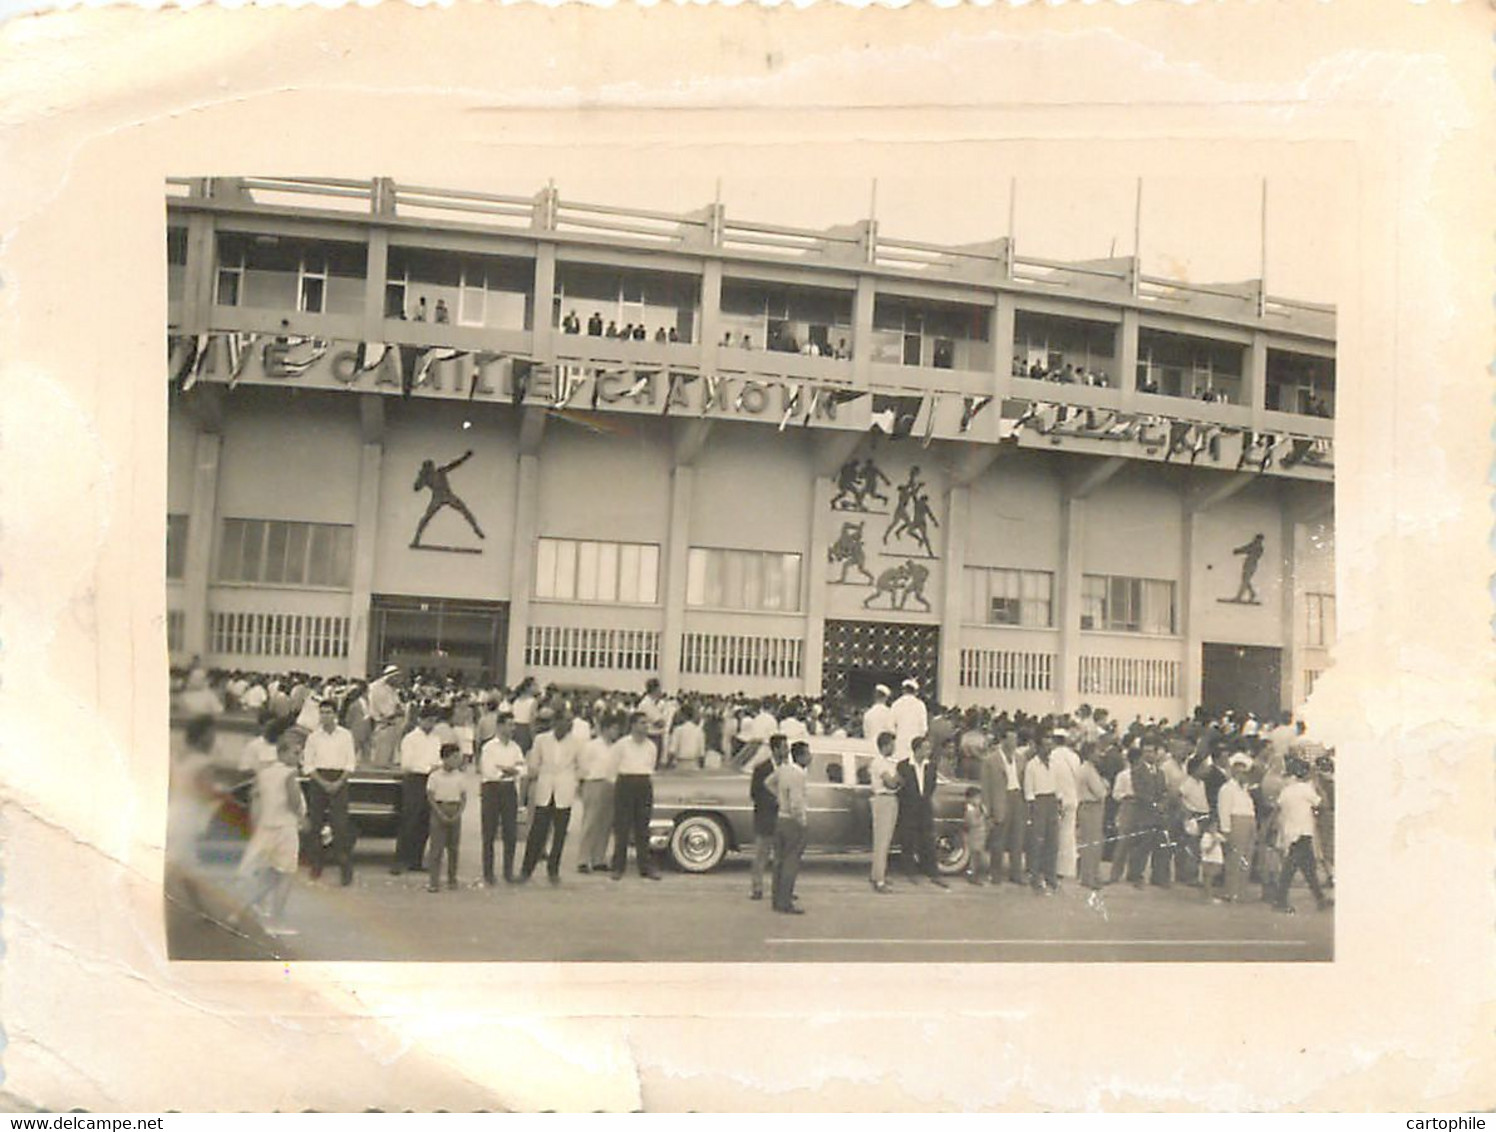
(204, 406)
(1212, 489)
(532, 430)
(969, 461)
(1084, 481)
(690, 439)
(833, 449)
(371, 417)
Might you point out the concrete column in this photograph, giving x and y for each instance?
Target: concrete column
(522, 565)
(1126, 377)
(378, 274)
(365, 538)
(1072, 542)
(862, 329)
(709, 325)
(543, 332)
(822, 522)
(957, 523)
(677, 544)
(201, 277)
(1292, 692)
(1004, 308)
(202, 524)
(1191, 610)
(1254, 373)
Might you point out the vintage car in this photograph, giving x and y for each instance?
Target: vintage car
(700, 817)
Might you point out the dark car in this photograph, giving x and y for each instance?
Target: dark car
(700, 817)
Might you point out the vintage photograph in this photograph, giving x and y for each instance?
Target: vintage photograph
(556, 579)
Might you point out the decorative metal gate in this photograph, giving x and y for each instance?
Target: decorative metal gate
(860, 654)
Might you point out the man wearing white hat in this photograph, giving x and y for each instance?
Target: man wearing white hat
(878, 718)
(1064, 763)
(1238, 822)
(910, 720)
(385, 713)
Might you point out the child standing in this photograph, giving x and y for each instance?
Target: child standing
(1212, 860)
(448, 790)
(275, 845)
(976, 817)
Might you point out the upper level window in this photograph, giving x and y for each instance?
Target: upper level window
(606, 302)
(176, 260)
(915, 332)
(1319, 613)
(176, 546)
(467, 289)
(1127, 605)
(290, 273)
(1300, 383)
(625, 573)
(1178, 365)
(803, 320)
(742, 579)
(1009, 597)
(1050, 348)
(273, 552)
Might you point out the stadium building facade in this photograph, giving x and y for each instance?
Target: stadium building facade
(406, 425)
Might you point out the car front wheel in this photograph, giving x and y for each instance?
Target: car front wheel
(951, 851)
(698, 844)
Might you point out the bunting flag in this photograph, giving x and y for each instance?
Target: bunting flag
(643, 379)
(370, 356)
(791, 404)
(679, 379)
(815, 402)
(847, 396)
(895, 416)
(970, 407)
(932, 405)
(302, 352)
(237, 346)
(567, 380)
(709, 392)
(1179, 433)
(484, 358)
(519, 379)
(431, 357)
(186, 361)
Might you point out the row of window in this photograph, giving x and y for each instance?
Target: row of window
(273, 552)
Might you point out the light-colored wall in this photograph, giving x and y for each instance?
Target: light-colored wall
(1015, 515)
(181, 440)
(418, 431)
(753, 491)
(289, 458)
(613, 486)
(1134, 527)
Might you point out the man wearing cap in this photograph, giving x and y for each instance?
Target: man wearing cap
(501, 770)
(910, 719)
(553, 768)
(878, 718)
(1238, 822)
(1064, 764)
(420, 754)
(386, 717)
(328, 758)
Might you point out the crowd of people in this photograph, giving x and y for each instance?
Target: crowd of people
(1067, 374)
(1222, 803)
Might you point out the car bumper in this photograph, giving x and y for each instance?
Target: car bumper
(659, 833)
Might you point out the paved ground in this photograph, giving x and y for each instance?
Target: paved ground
(686, 918)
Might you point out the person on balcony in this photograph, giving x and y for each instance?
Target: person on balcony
(673, 335)
(612, 331)
(571, 324)
(660, 335)
(420, 315)
(595, 325)
(441, 313)
(639, 333)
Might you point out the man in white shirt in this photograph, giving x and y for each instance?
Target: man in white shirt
(501, 769)
(635, 756)
(1127, 817)
(1296, 806)
(1238, 823)
(387, 718)
(878, 718)
(687, 742)
(1064, 764)
(420, 754)
(1044, 819)
(1002, 788)
(910, 720)
(656, 713)
(884, 776)
(553, 767)
(597, 767)
(329, 760)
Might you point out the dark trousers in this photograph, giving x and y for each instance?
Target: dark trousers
(1150, 850)
(1044, 840)
(1005, 840)
(330, 809)
(1124, 845)
(917, 840)
(1300, 857)
(633, 802)
(789, 845)
(415, 822)
(445, 837)
(546, 818)
(499, 807)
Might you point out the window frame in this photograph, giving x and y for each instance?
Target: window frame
(735, 563)
(233, 537)
(566, 564)
(1133, 620)
(982, 579)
